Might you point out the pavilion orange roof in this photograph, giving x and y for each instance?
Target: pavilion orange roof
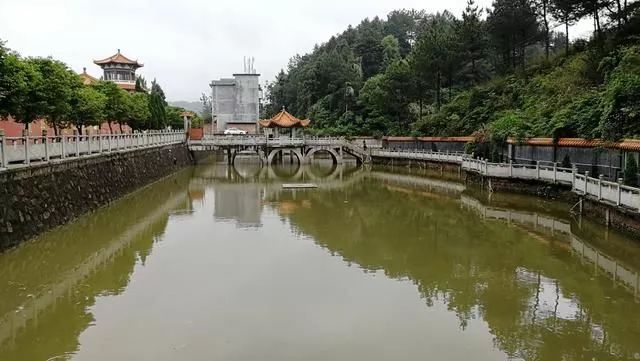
(118, 59)
(284, 120)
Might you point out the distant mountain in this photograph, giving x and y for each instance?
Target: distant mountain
(195, 107)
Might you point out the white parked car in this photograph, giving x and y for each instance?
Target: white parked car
(234, 131)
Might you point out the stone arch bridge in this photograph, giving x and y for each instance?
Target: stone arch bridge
(274, 150)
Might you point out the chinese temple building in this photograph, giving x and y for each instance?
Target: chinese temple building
(283, 123)
(120, 70)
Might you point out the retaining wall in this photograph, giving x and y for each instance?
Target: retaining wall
(39, 197)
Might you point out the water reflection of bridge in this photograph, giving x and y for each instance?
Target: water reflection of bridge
(614, 269)
(28, 312)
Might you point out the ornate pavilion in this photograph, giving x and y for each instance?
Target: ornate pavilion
(120, 70)
(283, 123)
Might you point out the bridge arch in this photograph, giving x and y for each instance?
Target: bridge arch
(258, 151)
(335, 156)
(274, 152)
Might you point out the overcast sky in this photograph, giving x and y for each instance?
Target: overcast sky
(186, 44)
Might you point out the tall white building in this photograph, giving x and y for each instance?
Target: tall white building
(236, 101)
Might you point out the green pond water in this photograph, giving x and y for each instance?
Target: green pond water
(219, 263)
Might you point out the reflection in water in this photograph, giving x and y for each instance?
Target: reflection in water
(371, 265)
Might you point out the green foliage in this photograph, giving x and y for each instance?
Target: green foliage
(509, 124)
(88, 107)
(390, 50)
(117, 105)
(631, 171)
(174, 117)
(55, 93)
(206, 114)
(138, 114)
(20, 82)
(157, 107)
(35, 88)
(141, 84)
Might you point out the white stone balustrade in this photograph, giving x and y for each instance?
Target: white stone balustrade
(605, 191)
(38, 149)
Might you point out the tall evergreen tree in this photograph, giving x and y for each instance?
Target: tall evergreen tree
(566, 12)
(473, 39)
(157, 106)
(390, 50)
(513, 25)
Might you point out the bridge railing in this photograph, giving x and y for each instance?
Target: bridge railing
(41, 149)
(610, 192)
(453, 157)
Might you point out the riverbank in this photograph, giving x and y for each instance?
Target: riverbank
(40, 197)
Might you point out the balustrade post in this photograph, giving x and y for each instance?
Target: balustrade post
(77, 140)
(25, 141)
(3, 149)
(586, 182)
(510, 168)
(88, 144)
(619, 200)
(555, 172)
(109, 142)
(63, 155)
(99, 136)
(600, 177)
(46, 145)
(573, 178)
(537, 169)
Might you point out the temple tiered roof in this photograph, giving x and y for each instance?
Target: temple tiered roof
(118, 59)
(284, 120)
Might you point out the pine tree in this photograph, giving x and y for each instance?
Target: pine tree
(473, 38)
(567, 12)
(157, 106)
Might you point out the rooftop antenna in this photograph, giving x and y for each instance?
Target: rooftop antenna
(244, 61)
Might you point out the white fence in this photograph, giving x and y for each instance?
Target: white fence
(420, 155)
(30, 149)
(610, 192)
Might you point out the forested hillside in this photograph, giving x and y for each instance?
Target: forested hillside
(505, 71)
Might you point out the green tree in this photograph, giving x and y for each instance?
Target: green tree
(567, 12)
(513, 25)
(631, 171)
(174, 117)
(117, 105)
(403, 25)
(435, 55)
(20, 82)
(473, 40)
(390, 50)
(157, 106)
(56, 92)
(88, 107)
(369, 46)
(207, 109)
(141, 84)
(138, 113)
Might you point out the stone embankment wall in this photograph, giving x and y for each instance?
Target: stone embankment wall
(37, 198)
